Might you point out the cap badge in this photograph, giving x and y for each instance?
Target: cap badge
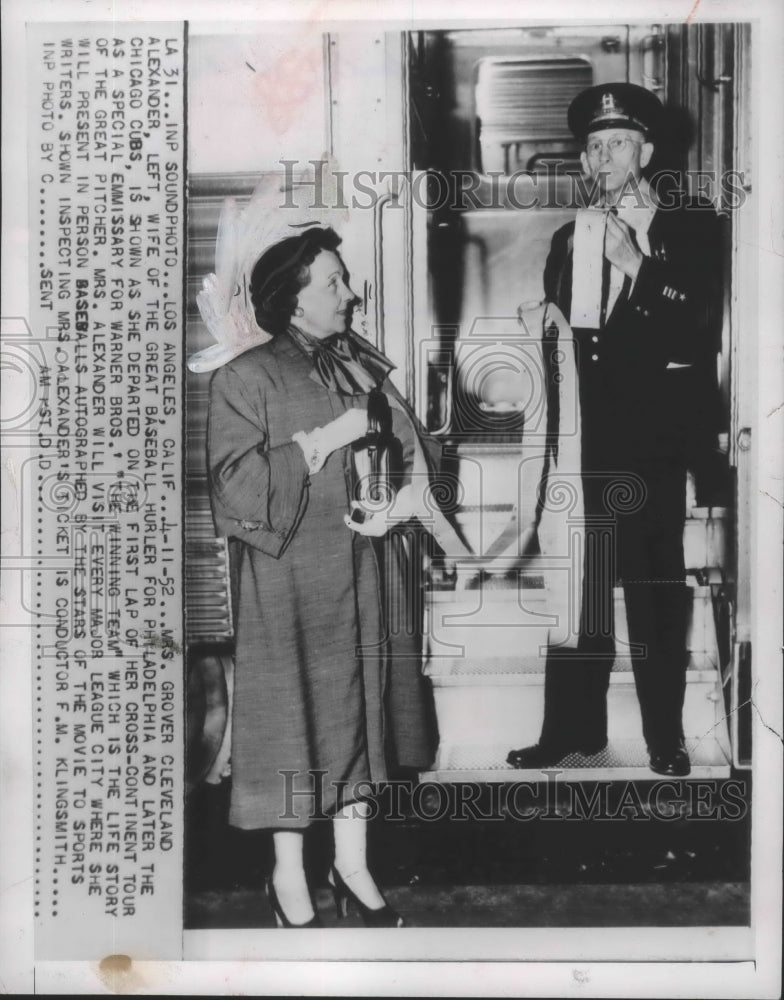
(608, 103)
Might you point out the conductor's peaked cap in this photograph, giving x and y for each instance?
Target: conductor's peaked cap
(615, 105)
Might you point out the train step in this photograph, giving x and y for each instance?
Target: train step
(486, 651)
(502, 622)
(476, 708)
(497, 490)
(621, 760)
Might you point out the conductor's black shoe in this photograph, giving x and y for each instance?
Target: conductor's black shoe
(537, 756)
(548, 754)
(673, 763)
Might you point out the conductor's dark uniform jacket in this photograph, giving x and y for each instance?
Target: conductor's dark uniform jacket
(649, 410)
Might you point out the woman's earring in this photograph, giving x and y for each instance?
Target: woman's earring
(299, 311)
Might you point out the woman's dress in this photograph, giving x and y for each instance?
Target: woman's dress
(311, 657)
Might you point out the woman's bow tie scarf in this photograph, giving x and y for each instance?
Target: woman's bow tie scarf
(342, 364)
(350, 367)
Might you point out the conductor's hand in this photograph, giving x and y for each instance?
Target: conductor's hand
(319, 444)
(620, 247)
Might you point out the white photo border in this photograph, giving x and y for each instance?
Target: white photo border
(539, 973)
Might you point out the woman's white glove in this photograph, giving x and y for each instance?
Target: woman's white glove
(319, 444)
(366, 520)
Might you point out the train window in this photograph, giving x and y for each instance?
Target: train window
(521, 106)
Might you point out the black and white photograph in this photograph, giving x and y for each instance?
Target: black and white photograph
(392, 485)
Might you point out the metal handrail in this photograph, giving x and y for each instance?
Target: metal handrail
(651, 43)
(448, 375)
(378, 264)
(715, 83)
(731, 677)
(737, 763)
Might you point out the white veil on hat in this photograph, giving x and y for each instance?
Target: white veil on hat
(244, 234)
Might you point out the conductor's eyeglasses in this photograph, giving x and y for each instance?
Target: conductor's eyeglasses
(615, 145)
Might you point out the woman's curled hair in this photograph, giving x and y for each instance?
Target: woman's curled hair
(282, 272)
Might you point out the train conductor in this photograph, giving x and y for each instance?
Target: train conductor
(643, 297)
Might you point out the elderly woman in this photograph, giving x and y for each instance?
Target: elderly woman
(311, 690)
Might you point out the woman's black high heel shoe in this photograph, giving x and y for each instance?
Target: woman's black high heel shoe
(280, 917)
(385, 916)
